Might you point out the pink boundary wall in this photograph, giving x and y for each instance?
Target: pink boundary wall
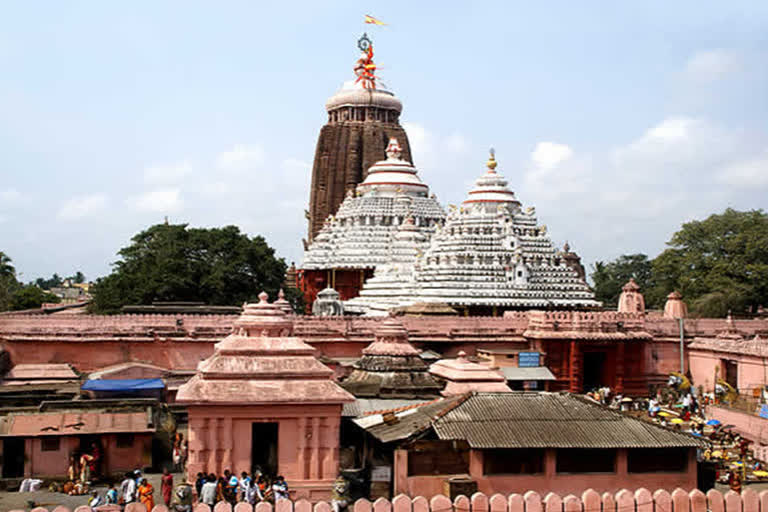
(642, 500)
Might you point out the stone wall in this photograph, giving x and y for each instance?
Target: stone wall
(641, 500)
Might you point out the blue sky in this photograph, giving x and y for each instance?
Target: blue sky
(617, 121)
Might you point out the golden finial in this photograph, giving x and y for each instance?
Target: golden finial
(491, 164)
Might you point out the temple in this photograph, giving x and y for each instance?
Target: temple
(362, 117)
(360, 234)
(490, 256)
(263, 401)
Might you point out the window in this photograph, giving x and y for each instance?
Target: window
(513, 462)
(657, 460)
(124, 440)
(580, 460)
(50, 444)
(438, 458)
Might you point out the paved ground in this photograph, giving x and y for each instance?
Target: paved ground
(49, 500)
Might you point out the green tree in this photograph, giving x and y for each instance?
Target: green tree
(31, 297)
(718, 264)
(219, 266)
(6, 266)
(8, 282)
(608, 278)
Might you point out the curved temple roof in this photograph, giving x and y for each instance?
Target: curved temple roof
(361, 233)
(490, 252)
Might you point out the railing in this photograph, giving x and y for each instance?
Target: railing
(641, 500)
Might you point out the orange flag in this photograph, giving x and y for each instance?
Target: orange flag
(373, 21)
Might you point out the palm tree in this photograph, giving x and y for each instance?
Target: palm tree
(6, 268)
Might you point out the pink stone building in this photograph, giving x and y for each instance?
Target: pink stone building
(263, 400)
(40, 444)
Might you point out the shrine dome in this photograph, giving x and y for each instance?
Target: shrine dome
(491, 189)
(353, 94)
(393, 175)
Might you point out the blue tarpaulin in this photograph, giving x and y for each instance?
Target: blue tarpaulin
(123, 384)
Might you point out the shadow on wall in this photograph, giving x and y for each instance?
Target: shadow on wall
(641, 500)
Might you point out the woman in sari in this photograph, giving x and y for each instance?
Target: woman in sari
(145, 495)
(166, 486)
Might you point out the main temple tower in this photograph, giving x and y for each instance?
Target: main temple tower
(362, 116)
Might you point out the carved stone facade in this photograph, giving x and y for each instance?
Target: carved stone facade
(361, 122)
(489, 256)
(360, 236)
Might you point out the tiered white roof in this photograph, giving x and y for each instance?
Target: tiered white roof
(489, 253)
(361, 233)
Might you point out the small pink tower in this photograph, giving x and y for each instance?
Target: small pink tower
(631, 300)
(462, 376)
(263, 400)
(675, 307)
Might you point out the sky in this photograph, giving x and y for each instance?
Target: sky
(618, 121)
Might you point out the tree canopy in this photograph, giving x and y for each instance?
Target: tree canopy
(172, 262)
(8, 282)
(31, 297)
(608, 278)
(718, 264)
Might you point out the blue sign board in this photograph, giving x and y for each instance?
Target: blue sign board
(764, 411)
(528, 360)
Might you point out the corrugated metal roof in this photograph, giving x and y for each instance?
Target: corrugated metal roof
(408, 422)
(365, 406)
(528, 420)
(551, 420)
(535, 373)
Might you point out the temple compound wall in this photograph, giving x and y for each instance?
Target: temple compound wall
(589, 500)
(637, 349)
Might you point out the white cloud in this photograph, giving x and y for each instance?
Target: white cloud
(712, 64)
(752, 172)
(82, 206)
(167, 174)
(547, 155)
(240, 159)
(161, 200)
(633, 196)
(9, 195)
(673, 128)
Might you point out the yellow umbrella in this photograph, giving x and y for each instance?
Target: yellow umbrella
(664, 414)
(717, 453)
(676, 420)
(760, 473)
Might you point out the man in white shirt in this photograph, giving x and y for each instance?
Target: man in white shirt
(208, 491)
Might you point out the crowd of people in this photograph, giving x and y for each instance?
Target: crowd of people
(250, 488)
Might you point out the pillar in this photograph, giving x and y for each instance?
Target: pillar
(400, 471)
(621, 462)
(620, 367)
(476, 464)
(550, 463)
(213, 445)
(314, 461)
(301, 459)
(574, 376)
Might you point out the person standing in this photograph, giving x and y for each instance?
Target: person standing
(208, 491)
(112, 495)
(128, 489)
(146, 497)
(166, 486)
(245, 486)
(280, 489)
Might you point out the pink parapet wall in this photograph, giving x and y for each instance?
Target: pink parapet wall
(640, 500)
